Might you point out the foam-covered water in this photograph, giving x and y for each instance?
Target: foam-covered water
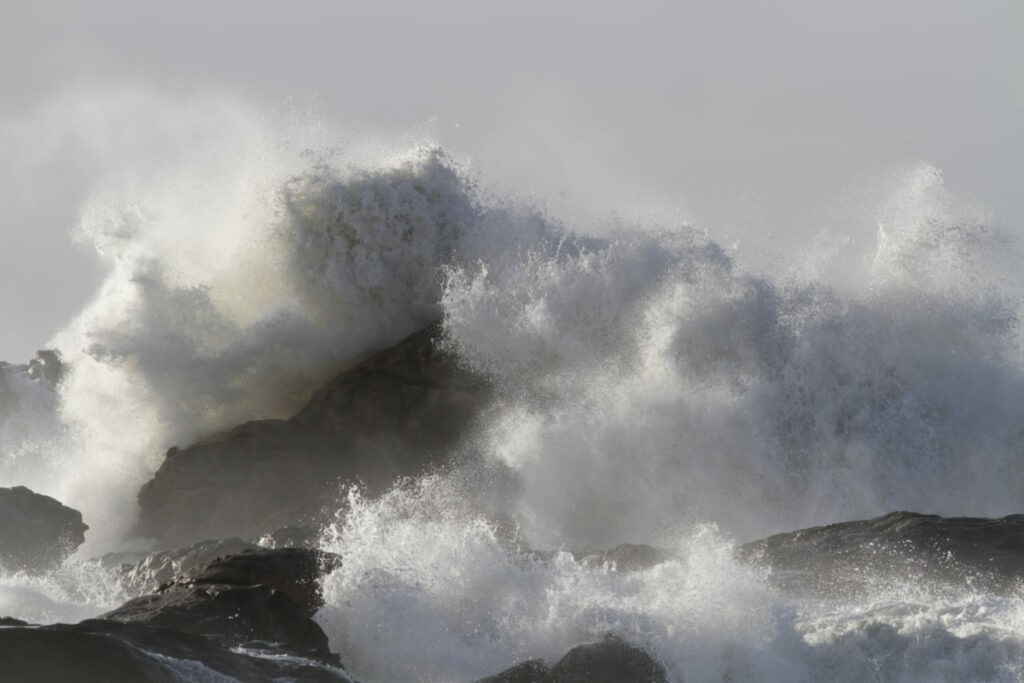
(651, 388)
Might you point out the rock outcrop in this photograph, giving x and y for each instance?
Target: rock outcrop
(161, 567)
(957, 551)
(246, 616)
(261, 598)
(98, 651)
(37, 532)
(611, 660)
(393, 415)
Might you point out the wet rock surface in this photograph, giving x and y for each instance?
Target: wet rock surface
(96, 651)
(296, 572)
(256, 598)
(611, 660)
(959, 551)
(247, 616)
(160, 567)
(37, 532)
(392, 415)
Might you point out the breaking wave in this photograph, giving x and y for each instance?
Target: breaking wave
(649, 389)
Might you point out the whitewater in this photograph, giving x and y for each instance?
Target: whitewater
(651, 385)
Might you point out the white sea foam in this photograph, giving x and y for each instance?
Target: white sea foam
(75, 591)
(649, 390)
(432, 591)
(652, 375)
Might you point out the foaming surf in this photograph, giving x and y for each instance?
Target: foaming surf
(649, 389)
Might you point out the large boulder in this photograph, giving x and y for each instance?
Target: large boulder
(246, 617)
(263, 598)
(611, 660)
(296, 572)
(395, 414)
(37, 532)
(985, 554)
(530, 671)
(157, 568)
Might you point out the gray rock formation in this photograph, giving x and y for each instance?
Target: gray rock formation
(97, 651)
(395, 414)
(611, 660)
(530, 671)
(263, 598)
(157, 568)
(985, 554)
(37, 532)
(245, 616)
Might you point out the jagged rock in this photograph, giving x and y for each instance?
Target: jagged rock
(393, 415)
(611, 660)
(265, 598)
(296, 572)
(96, 651)
(982, 553)
(162, 566)
(36, 532)
(530, 671)
(232, 615)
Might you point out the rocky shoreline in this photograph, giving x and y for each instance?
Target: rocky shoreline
(233, 588)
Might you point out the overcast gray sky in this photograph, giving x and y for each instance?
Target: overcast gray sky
(740, 113)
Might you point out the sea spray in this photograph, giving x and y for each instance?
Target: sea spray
(75, 591)
(649, 379)
(649, 388)
(235, 288)
(430, 591)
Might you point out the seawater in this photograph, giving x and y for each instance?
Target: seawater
(652, 387)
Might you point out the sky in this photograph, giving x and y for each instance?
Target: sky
(738, 117)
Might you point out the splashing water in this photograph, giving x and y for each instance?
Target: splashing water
(649, 389)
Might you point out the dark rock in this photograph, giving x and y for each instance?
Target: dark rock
(611, 660)
(264, 597)
(232, 615)
(56, 654)
(840, 558)
(296, 572)
(162, 566)
(11, 621)
(36, 532)
(96, 651)
(394, 415)
(530, 671)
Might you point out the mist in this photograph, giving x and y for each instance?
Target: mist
(761, 126)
